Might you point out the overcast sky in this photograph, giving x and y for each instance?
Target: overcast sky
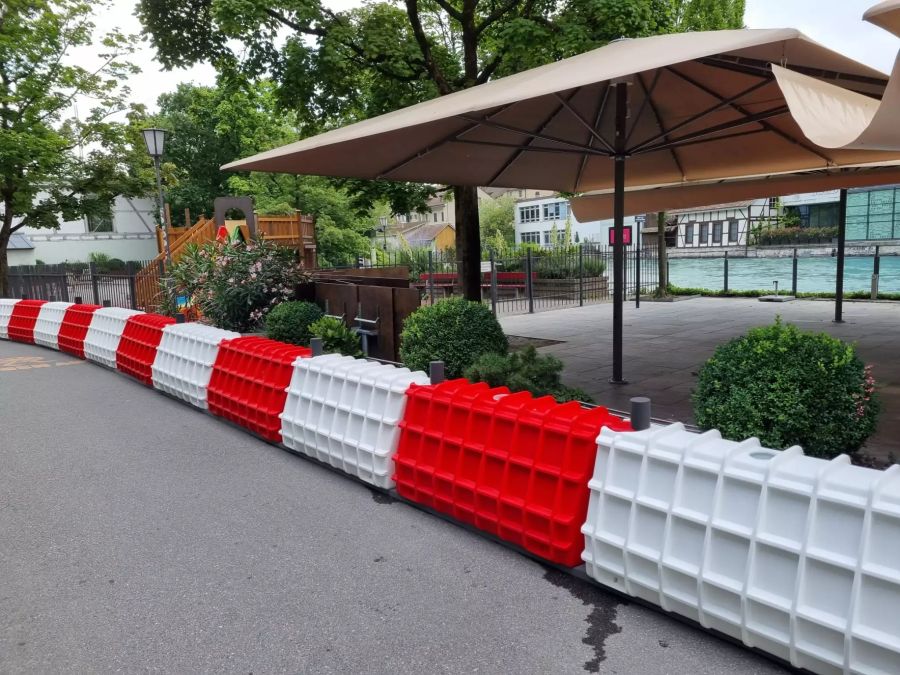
(835, 23)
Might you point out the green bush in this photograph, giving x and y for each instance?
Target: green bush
(525, 370)
(292, 322)
(337, 338)
(454, 331)
(788, 387)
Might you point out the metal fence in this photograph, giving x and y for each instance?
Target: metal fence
(538, 280)
(91, 283)
(512, 284)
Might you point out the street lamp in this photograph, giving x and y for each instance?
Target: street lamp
(156, 141)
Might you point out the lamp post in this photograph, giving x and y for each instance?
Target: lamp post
(156, 141)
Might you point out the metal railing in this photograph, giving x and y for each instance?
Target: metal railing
(90, 283)
(532, 281)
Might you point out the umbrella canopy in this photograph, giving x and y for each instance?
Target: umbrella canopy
(885, 15)
(702, 106)
(599, 205)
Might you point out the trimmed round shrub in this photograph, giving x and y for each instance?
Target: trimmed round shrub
(788, 387)
(290, 322)
(455, 331)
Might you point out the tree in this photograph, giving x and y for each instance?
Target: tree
(497, 217)
(338, 67)
(53, 163)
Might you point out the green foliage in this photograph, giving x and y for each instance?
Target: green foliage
(497, 218)
(794, 235)
(54, 164)
(788, 387)
(337, 338)
(106, 264)
(455, 331)
(235, 285)
(525, 370)
(291, 322)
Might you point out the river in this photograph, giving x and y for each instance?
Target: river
(813, 274)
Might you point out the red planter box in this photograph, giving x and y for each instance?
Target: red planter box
(249, 383)
(21, 322)
(74, 328)
(509, 464)
(137, 346)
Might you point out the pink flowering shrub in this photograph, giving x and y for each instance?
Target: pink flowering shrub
(234, 285)
(788, 387)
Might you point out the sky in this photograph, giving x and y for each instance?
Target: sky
(835, 23)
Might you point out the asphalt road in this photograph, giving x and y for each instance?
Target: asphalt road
(137, 534)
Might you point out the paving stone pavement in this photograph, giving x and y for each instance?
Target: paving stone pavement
(665, 343)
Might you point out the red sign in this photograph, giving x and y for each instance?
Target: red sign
(626, 235)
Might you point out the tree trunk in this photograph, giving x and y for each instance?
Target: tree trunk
(5, 234)
(468, 241)
(661, 255)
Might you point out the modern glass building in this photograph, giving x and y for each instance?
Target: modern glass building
(873, 213)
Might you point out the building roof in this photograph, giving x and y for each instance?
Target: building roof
(19, 242)
(425, 234)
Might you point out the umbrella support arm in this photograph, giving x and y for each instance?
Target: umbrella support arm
(621, 88)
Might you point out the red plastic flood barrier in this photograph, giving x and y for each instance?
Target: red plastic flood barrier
(24, 316)
(137, 347)
(510, 464)
(74, 328)
(249, 383)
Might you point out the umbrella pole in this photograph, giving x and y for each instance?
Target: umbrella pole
(842, 244)
(619, 230)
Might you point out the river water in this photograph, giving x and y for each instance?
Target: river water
(813, 274)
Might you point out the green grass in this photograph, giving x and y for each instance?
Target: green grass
(849, 295)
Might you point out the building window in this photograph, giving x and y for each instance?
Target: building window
(100, 222)
(733, 234)
(529, 214)
(547, 237)
(555, 211)
(704, 234)
(773, 203)
(689, 234)
(531, 237)
(717, 232)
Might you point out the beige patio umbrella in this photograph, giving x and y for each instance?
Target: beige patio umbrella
(670, 108)
(886, 15)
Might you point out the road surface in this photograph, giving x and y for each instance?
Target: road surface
(137, 534)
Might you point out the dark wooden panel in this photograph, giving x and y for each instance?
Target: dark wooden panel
(378, 301)
(341, 299)
(406, 301)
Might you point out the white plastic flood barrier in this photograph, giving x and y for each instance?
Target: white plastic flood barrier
(104, 333)
(6, 309)
(185, 358)
(345, 412)
(794, 555)
(46, 328)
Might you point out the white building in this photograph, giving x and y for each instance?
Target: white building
(537, 218)
(127, 233)
(721, 225)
